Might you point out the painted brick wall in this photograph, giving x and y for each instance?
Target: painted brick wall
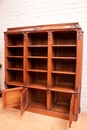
(14, 13)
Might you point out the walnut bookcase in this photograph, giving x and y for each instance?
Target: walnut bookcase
(43, 68)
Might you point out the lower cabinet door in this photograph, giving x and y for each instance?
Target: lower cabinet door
(15, 97)
(24, 100)
(71, 110)
(11, 97)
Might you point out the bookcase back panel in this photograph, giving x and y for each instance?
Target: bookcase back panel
(64, 38)
(37, 51)
(14, 75)
(64, 65)
(37, 78)
(37, 64)
(37, 98)
(37, 38)
(15, 51)
(63, 80)
(15, 40)
(64, 52)
(60, 102)
(63, 97)
(14, 63)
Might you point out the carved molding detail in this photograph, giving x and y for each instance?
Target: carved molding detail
(49, 36)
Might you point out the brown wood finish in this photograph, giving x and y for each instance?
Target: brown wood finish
(43, 69)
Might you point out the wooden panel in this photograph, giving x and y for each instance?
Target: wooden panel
(24, 100)
(71, 110)
(11, 97)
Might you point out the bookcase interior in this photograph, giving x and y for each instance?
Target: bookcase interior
(37, 98)
(64, 38)
(15, 40)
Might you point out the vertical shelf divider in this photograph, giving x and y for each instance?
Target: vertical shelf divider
(49, 67)
(25, 59)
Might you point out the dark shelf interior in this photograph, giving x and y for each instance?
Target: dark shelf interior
(64, 38)
(15, 40)
(60, 102)
(37, 98)
(37, 78)
(64, 65)
(63, 80)
(38, 38)
(15, 76)
(37, 51)
(15, 63)
(15, 51)
(64, 51)
(40, 64)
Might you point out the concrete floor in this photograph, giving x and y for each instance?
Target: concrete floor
(10, 119)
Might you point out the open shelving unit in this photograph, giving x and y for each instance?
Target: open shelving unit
(43, 69)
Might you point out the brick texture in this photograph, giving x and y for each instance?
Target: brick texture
(14, 13)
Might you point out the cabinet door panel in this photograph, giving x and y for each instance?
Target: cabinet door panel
(71, 110)
(24, 100)
(11, 97)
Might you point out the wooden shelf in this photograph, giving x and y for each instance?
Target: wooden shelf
(63, 72)
(67, 58)
(63, 89)
(37, 86)
(19, 69)
(37, 46)
(38, 57)
(64, 45)
(37, 70)
(14, 56)
(15, 83)
(20, 46)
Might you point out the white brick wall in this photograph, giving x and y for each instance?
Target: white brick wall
(14, 13)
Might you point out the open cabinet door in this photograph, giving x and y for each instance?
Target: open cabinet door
(71, 110)
(24, 100)
(11, 97)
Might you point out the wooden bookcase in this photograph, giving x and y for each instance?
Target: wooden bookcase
(43, 69)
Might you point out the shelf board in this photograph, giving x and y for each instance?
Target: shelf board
(63, 72)
(36, 70)
(38, 57)
(62, 89)
(64, 45)
(15, 83)
(37, 86)
(37, 46)
(14, 56)
(68, 58)
(20, 69)
(10, 46)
